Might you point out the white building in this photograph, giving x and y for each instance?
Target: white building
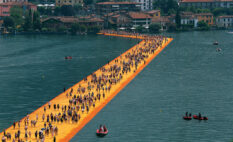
(206, 3)
(187, 18)
(225, 21)
(145, 4)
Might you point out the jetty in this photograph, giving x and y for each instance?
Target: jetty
(65, 115)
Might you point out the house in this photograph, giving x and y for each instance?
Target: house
(225, 21)
(68, 2)
(164, 21)
(187, 19)
(5, 1)
(5, 7)
(56, 22)
(155, 14)
(117, 19)
(52, 22)
(139, 19)
(206, 3)
(145, 4)
(91, 20)
(206, 17)
(103, 8)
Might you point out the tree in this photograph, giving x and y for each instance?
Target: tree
(45, 11)
(88, 2)
(222, 11)
(154, 28)
(77, 8)
(36, 21)
(8, 22)
(93, 29)
(139, 29)
(77, 28)
(57, 11)
(171, 27)
(16, 13)
(67, 10)
(101, 1)
(165, 5)
(178, 18)
(203, 25)
(28, 21)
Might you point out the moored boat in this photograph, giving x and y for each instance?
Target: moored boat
(215, 43)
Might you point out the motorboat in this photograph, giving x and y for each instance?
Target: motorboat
(215, 43)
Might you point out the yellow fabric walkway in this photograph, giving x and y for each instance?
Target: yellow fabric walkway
(68, 129)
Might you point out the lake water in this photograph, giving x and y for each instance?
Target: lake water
(189, 75)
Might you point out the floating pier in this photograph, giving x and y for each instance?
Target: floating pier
(105, 83)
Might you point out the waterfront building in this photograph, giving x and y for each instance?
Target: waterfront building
(206, 17)
(187, 19)
(68, 2)
(225, 21)
(57, 22)
(206, 3)
(119, 20)
(163, 21)
(5, 1)
(145, 4)
(5, 7)
(155, 14)
(103, 8)
(140, 19)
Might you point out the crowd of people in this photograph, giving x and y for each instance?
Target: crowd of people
(84, 96)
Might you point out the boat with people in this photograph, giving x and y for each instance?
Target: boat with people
(187, 118)
(200, 117)
(102, 131)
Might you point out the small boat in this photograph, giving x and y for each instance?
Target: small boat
(68, 57)
(218, 49)
(187, 118)
(215, 43)
(200, 118)
(102, 133)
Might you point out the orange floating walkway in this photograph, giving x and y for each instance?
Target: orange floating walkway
(68, 128)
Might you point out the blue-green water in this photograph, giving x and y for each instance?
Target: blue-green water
(189, 75)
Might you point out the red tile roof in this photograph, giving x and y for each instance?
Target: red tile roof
(204, 14)
(18, 3)
(225, 16)
(164, 19)
(73, 19)
(138, 15)
(112, 3)
(153, 11)
(184, 1)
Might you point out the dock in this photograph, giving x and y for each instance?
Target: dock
(86, 98)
